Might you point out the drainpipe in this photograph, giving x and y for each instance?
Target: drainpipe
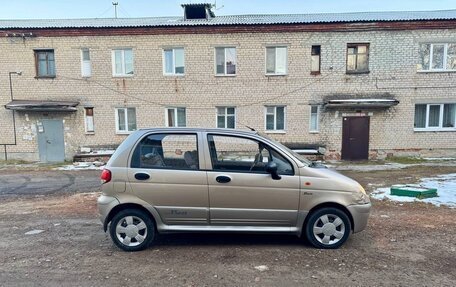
(14, 114)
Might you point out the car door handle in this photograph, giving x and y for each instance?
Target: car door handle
(223, 179)
(142, 176)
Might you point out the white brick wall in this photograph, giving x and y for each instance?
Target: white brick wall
(392, 65)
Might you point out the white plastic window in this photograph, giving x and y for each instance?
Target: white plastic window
(276, 60)
(125, 120)
(122, 62)
(173, 61)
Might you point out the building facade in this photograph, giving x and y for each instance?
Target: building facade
(358, 84)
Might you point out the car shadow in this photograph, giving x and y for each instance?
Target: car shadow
(208, 239)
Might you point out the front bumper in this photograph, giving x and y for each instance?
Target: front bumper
(105, 204)
(360, 215)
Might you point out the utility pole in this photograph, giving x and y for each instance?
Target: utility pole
(115, 8)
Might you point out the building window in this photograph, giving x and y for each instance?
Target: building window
(275, 118)
(88, 118)
(173, 61)
(315, 60)
(314, 118)
(437, 57)
(357, 58)
(276, 60)
(45, 63)
(435, 117)
(86, 66)
(122, 62)
(125, 120)
(176, 117)
(226, 117)
(225, 61)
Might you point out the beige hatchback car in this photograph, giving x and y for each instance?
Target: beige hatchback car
(218, 180)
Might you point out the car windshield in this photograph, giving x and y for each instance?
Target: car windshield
(301, 158)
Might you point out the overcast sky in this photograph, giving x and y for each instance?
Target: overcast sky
(23, 9)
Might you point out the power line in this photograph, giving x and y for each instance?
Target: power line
(106, 11)
(124, 11)
(265, 101)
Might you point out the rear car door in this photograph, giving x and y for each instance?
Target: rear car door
(241, 192)
(165, 172)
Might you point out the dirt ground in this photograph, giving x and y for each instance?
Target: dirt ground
(404, 244)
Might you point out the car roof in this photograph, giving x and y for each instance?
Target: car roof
(208, 130)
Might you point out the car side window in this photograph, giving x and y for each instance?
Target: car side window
(238, 154)
(167, 151)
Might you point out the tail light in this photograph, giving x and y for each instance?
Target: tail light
(105, 176)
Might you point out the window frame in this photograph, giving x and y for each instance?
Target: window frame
(225, 115)
(197, 138)
(87, 131)
(356, 45)
(126, 131)
(317, 130)
(174, 62)
(89, 62)
(37, 69)
(319, 60)
(275, 130)
(431, 54)
(225, 74)
(268, 146)
(439, 128)
(113, 60)
(275, 63)
(175, 117)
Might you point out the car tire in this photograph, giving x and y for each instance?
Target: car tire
(132, 230)
(328, 228)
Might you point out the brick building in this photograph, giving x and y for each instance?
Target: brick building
(358, 84)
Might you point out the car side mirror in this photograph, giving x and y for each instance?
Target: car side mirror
(271, 168)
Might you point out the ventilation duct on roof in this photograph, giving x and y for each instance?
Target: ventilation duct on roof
(197, 11)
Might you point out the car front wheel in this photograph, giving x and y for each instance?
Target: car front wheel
(132, 230)
(328, 228)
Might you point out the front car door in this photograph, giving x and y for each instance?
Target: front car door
(165, 172)
(241, 192)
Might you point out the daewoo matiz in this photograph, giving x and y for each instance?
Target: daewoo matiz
(217, 180)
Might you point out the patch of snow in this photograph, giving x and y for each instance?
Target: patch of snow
(33, 232)
(372, 167)
(96, 165)
(103, 152)
(446, 191)
(262, 268)
(439, 158)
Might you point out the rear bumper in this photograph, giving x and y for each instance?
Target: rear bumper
(105, 204)
(360, 214)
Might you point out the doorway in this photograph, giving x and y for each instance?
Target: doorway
(51, 144)
(355, 138)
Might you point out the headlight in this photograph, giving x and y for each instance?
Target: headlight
(361, 197)
(361, 188)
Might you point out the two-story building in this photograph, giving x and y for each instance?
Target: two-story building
(359, 84)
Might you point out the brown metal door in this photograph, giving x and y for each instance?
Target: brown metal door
(355, 138)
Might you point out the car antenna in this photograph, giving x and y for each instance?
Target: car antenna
(252, 129)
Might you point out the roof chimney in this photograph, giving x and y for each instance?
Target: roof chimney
(198, 11)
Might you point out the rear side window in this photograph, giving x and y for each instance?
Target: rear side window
(167, 151)
(238, 154)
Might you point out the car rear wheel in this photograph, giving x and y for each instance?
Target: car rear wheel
(132, 230)
(328, 228)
